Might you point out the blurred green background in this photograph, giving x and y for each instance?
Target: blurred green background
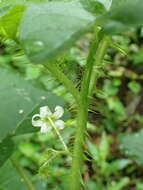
(114, 157)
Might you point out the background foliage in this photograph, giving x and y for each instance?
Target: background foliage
(114, 159)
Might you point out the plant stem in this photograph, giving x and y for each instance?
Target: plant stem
(57, 73)
(23, 175)
(58, 134)
(78, 155)
(79, 143)
(100, 53)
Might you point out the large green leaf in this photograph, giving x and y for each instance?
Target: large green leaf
(132, 146)
(6, 149)
(18, 99)
(49, 28)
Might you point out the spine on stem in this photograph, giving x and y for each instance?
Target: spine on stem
(87, 86)
(100, 53)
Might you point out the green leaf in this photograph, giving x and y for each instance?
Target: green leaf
(11, 12)
(107, 3)
(4, 10)
(131, 145)
(10, 179)
(96, 6)
(10, 21)
(47, 29)
(119, 185)
(134, 87)
(129, 12)
(116, 105)
(19, 99)
(6, 149)
(117, 165)
(117, 3)
(104, 147)
(10, 3)
(93, 149)
(124, 14)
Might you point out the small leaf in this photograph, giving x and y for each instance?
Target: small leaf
(104, 147)
(116, 105)
(93, 149)
(119, 185)
(10, 21)
(117, 165)
(134, 87)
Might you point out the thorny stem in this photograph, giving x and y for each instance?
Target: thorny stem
(22, 174)
(88, 78)
(100, 53)
(58, 134)
(97, 52)
(56, 72)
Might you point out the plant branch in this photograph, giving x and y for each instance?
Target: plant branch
(22, 174)
(57, 73)
(100, 53)
(78, 155)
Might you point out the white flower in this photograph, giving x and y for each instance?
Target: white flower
(46, 119)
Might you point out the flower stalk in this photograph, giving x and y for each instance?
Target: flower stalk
(58, 134)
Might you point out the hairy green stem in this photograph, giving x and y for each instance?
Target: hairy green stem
(57, 73)
(78, 155)
(97, 51)
(22, 174)
(100, 53)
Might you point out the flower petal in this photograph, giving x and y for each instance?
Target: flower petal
(60, 124)
(59, 111)
(45, 111)
(45, 128)
(36, 123)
